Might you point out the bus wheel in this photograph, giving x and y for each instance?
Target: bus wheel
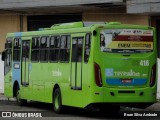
(20, 101)
(57, 101)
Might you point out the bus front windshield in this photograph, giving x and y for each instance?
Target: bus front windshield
(126, 40)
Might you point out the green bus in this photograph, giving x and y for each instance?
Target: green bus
(83, 64)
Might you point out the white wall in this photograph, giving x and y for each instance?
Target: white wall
(1, 76)
(158, 87)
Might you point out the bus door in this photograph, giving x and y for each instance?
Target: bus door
(25, 66)
(7, 58)
(76, 63)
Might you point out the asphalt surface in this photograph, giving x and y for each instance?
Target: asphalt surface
(45, 112)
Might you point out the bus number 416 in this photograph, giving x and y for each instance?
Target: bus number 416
(144, 63)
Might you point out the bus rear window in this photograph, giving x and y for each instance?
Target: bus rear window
(126, 40)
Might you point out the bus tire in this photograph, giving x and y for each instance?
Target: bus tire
(57, 101)
(20, 102)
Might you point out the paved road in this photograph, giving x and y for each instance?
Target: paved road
(46, 109)
(71, 113)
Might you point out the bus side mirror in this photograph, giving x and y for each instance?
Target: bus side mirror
(3, 56)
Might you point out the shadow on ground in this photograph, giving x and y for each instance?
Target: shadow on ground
(75, 112)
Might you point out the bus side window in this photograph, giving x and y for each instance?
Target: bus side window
(65, 48)
(54, 48)
(35, 49)
(87, 47)
(25, 49)
(16, 49)
(77, 48)
(44, 48)
(8, 56)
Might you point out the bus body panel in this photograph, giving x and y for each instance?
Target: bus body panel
(8, 86)
(16, 65)
(137, 69)
(76, 79)
(140, 95)
(134, 69)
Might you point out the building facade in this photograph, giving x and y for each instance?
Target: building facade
(26, 15)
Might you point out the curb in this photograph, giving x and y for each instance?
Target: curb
(3, 98)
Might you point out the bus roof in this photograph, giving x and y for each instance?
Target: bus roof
(71, 25)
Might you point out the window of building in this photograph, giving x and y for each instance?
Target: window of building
(65, 48)
(35, 49)
(87, 47)
(54, 48)
(16, 49)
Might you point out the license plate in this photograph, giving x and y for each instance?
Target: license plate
(126, 81)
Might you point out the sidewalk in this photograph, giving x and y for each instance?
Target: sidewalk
(154, 107)
(3, 98)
